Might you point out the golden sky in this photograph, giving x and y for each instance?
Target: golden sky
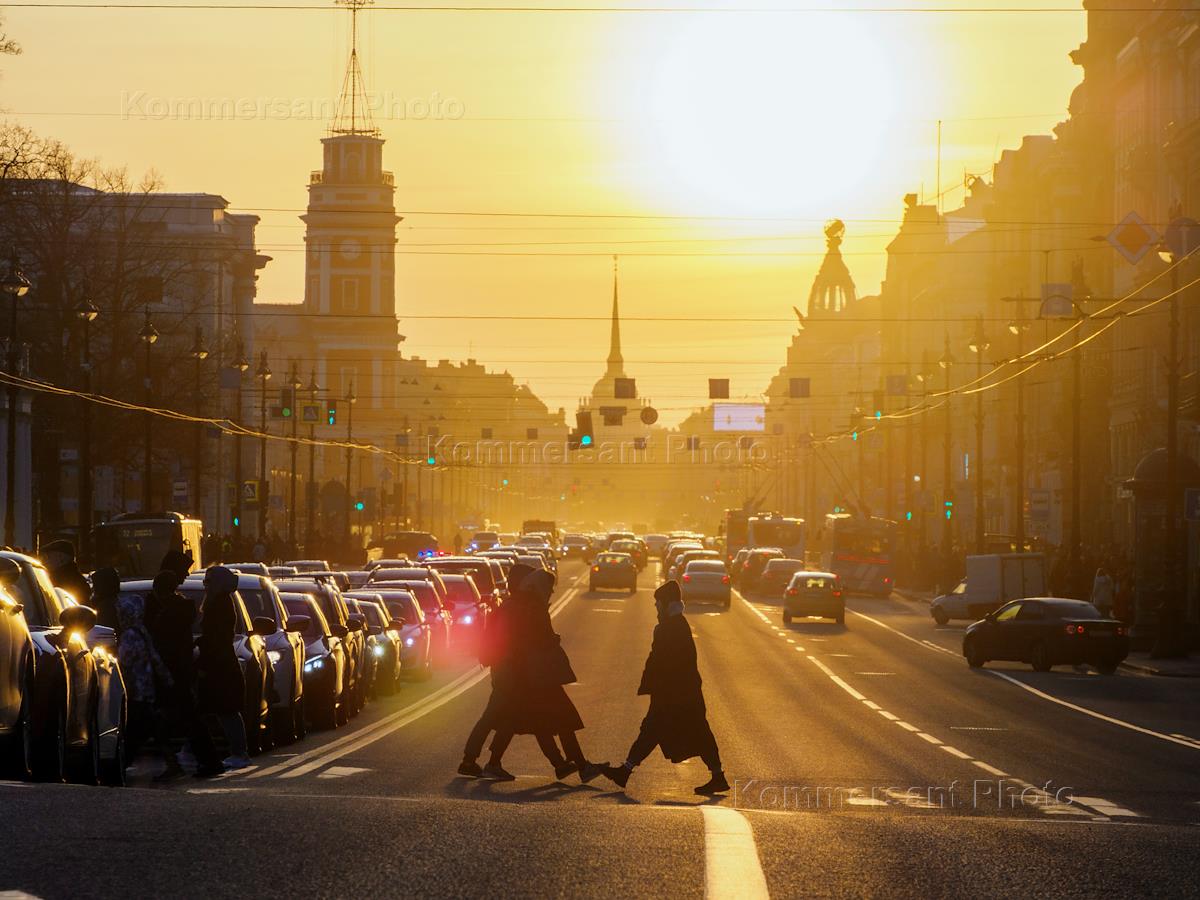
(731, 136)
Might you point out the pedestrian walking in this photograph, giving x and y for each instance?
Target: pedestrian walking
(106, 586)
(537, 703)
(59, 557)
(1104, 592)
(220, 688)
(148, 684)
(458, 543)
(677, 721)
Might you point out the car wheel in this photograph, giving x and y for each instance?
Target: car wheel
(50, 749)
(112, 771)
(17, 758)
(840, 618)
(1039, 658)
(939, 616)
(787, 618)
(591, 587)
(299, 728)
(251, 719)
(1107, 667)
(85, 768)
(974, 658)
(727, 603)
(283, 724)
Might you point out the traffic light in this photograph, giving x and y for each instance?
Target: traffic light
(877, 404)
(583, 436)
(504, 482)
(287, 402)
(949, 509)
(908, 516)
(359, 506)
(431, 460)
(331, 413)
(236, 521)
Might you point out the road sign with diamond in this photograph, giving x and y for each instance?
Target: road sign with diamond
(1133, 238)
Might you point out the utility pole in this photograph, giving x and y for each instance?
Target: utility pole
(240, 365)
(148, 335)
(86, 312)
(979, 346)
(295, 384)
(350, 400)
(947, 362)
(310, 495)
(16, 285)
(1017, 327)
(264, 373)
(199, 353)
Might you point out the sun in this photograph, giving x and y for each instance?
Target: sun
(764, 114)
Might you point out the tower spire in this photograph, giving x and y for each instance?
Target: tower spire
(615, 361)
(353, 114)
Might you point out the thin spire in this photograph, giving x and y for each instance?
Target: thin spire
(615, 360)
(353, 111)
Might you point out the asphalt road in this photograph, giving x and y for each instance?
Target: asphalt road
(866, 760)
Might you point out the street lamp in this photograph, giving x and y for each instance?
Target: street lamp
(311, 493)
(199, 353)
(263, 372)
(947, 363)
(979, 345)
(351, 399)
(240, 365)
(1018, 329)
(148, 334)
(295, 384)
(86, 312)
(16, 285)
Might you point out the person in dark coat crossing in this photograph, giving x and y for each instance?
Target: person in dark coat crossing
(677, 720)
(221, 689)
(59, 557)
(106, 586)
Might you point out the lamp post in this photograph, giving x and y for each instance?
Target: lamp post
(979, 345)
(263, 373)
(199, 354)
(350, 401)
(240, 365)
(148, 335)
(925, 377)
(947, 363)
(310, 496)
(86, 313)
(16, 285)
(295, 384)
(1167, 641)
(1018, 328)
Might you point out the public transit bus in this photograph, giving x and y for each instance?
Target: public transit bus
(135, 544)
(736, 529)
(775, 530)
(860, 551)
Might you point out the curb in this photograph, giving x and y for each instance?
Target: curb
(1142, 669)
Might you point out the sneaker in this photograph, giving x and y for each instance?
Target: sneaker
(470, 768)
(236, 762)
(171, 773)
(715, 785)
(590, 770)
(618, 775)
(209, 771)
(564, 769)
(496, 772)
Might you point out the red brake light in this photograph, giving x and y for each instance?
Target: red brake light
(687, 578)
(724, 579)
(792, 592)
(595, 568)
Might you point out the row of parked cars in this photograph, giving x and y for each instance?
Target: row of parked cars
(315, 645)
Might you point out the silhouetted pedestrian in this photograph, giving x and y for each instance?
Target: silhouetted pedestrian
(148, 684)
(1104, 591)
(59, 557)
(677, 721)
(220, 687)
(106, 586)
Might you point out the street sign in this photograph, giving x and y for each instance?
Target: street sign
(311, 413)
(1133, 238)
(1191, 504)
(1058, 301)
(649, 415)
(250, 491)
(179, 491)
(1182, 237)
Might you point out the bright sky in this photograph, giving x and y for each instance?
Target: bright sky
(764, 124)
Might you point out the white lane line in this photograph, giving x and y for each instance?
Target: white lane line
(887, 715)
(954, 751)
(913, 728)
(731, 866)
(1121, 723)
(303, 763)
(929, 737)
(871, 704)
(991, 770)
(1105, 807)
(341, 771)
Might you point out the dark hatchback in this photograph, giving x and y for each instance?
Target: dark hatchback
(1046, 632)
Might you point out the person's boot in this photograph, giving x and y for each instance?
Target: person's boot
(715, 785)
(564, 768)
(470, 768)
(497, 772)
(173, 772)
(618, 775)
(590, 770)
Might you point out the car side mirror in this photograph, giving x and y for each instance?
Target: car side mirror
(78, 618)
(338, 630)
(355, 624)
(264, 626)
(10, 572)
(374, 630)
(298, 624)
(398, 623)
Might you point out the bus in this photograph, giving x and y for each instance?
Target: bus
(736, 525)
(774, 530)
(134, 544)
(860, 551)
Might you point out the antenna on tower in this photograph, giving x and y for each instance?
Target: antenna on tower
(353, 112)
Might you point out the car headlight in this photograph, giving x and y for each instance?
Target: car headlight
(408, 642)
(379, 649)
(314, 664)
(466, 620)
(274, 656)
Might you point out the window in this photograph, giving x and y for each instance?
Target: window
(349, 298)
(1008, 613)
(1031, 612)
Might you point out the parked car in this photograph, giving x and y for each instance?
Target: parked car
(777, 574)
(480, 571)
(406, 613)
(706, 579)
(468, 609)
(735, 565)
(753, 566)
(656, 543)
(326, 690)
(991, 580)
(307, 565)
(281, 571)
(812, 593)
(285, 650)
(437, 616)
(17, 660)
(79, 710)
(334, 607)
(1046, 632)
(635, 549)
(382, 563)
(687, 556)
(250, 568)
(384, 643)
(613, 570)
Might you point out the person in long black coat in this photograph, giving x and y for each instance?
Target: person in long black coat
(677, 721)
(221, 689)
(537, 704)
(106, 586)
(59, 557)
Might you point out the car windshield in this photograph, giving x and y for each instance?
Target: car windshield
(317, 624)
(259, 602)
(425, 594)
(461, 589)
(43, 606)
(612, 559)
(196, 595)
(813, 582)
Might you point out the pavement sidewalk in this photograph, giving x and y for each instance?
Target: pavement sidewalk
(1141, 663)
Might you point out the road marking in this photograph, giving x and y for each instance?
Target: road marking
(341, 771)
(874, 673)
(887, 715)
(991, 770)
(954, 751)
(913, 728)
(303, 763)
(1104, 807)
(976, 728)
(871, 704)
(929, 737)
(731, 865)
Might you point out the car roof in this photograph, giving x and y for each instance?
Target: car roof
(813, 573)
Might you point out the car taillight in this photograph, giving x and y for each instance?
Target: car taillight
(886, 580)
(745, 565)
(837, 593)
(1075, 629)
(792, 592)
(687, 578)
(595, 568)
(1120, 629)
(724, 579)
